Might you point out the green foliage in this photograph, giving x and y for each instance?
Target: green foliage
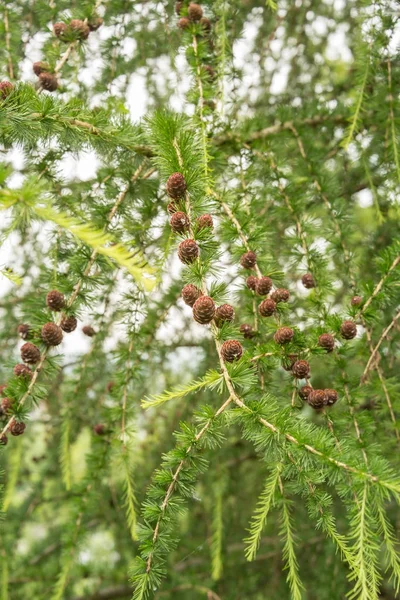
(283, 119)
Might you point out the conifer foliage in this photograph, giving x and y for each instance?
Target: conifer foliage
(199, 319)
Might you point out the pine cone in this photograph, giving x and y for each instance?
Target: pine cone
(176, 183)
(80, 29)
(267, 308)
(204, 310)
(308, 281)
(356, 300)
(55, 300)
(88, 330)
(95, 23)
(110, 386)
(183, 23)
(3, 386)
(21, 370)
(317, 399)
(6, 405)
(68, 323)
(195, 12)
(348, 330)
(247, 331)
(280, 295)
(40, 67)
(52, 334)
(305, 391)
(6, 87)
(205, 221)
(301, 369)
(231, 350)
(17, 428)
(23, 331)
(30, 353)
(191, 293)
(288, 361)
(60, 29)
(283, 335)
(99, 429)
(188, 251)
(179, 222)
(48, 81)
(206, 24)
(178, 7)
(251, 282)
(248, 260)
(172, 208)
(327, 341)
(224, 313)
(331, 397)
(263, 286)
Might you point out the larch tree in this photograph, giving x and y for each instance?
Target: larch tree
(199, 299)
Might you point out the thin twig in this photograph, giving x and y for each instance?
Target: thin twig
(370, 362)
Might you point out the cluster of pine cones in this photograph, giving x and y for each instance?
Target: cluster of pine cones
(51, 334)
(205, 311)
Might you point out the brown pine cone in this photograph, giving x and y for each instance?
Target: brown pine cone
(95, 23)
(231, 350)
(3, 386)
(327, 341)
(204, 310)
(263, 286)
(172, 208)
(6, 405)
(176, 183)
(206, 24)
(178, 7)
(247, 331)
(267, 308)
(55, 300)
(23, 331)
(40, 67)
(80, 29)
(356, 300)
(248, 260)
(52, 334)
(301, 369)
(99, 429)
(331, 397)
(205, 221)
(280, 295)
(6, 87)
(224, 313)
(48, 81)
(195, 12)
(317, 399)
(3, 440)
(30, 353)
(305, 391)
(308, 281)
(348, 330)
(183, 23)
(68, 323)
(88, 330)
(17, 428)
(191, 293)
(179, 222)
(283, 335)
(110, 386)
(60, 29)
(251, 282)
(188, 251)
(21, 370)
